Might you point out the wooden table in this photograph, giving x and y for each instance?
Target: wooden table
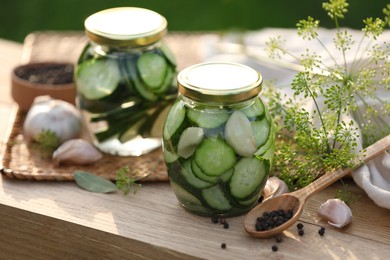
(58, 220)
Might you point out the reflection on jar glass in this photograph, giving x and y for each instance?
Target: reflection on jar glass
(218, 139)
(125, 80)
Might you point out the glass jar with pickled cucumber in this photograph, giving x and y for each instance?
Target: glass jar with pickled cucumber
(125, 80)
(218, 139)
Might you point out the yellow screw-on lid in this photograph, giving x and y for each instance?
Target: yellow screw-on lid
(219, 82)
(125, 26)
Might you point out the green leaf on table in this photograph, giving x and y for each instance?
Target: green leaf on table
(93, 183)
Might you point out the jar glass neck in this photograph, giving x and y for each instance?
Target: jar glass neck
(106, 50)
(236, 105)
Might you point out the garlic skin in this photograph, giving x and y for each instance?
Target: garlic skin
(55, 115)
(336, 212)
(274, 187)
(76, 151)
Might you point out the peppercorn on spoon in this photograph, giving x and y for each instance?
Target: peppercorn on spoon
(295, 201)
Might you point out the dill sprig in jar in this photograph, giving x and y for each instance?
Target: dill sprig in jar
(125, 80)
(218, 139)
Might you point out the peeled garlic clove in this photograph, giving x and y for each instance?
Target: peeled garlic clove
(274, 187)
(336, 212)
(189, 140)
(239, 134)
(76, 151)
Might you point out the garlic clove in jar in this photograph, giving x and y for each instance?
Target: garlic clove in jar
(76, 151)
(336, 212)
(274, 187)
(239, 134)
(55, 115)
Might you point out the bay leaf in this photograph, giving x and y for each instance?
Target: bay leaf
(93, 183)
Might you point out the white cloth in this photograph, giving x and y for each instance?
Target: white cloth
(373, 177)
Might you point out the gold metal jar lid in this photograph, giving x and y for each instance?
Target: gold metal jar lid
(125, 26)
(219, 82)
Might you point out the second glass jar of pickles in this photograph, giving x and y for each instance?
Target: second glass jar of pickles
(218, 139)
(125, 80)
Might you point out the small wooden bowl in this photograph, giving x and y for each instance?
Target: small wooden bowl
(45, 78)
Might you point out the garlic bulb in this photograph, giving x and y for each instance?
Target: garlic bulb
(58, 116)
(336, 212)
(76, 151)
(274, 187)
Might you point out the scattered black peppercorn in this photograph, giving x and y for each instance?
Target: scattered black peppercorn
(272, 219)
(321, 231)
(223, 245)
(301, 232)
(299, 225)
(222, 221)
(226, 225)
(274, 248)
(279, 239)
(214, 219)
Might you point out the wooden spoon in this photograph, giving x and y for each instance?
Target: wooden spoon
(296, 200)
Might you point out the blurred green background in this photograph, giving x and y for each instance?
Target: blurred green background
(20, 17)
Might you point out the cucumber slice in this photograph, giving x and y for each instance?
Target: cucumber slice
(192, 179)
(201, 175)
(97, 79)
(255, 110)
(168, 53)
(208, 119)
(170, 157)
(239, 134)
(168, 81)
(249, 201)
(261, 131)
(175, 118)
(138, 84)
(184, 196)
(227, 175)
(270, 142)
(215, 157)
(216, 199)
(189, 140)
(158, 124)
(152, 68)
(248, 175)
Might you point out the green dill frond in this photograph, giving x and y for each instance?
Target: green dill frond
(307, 29)
(372, 27)
(336, 8)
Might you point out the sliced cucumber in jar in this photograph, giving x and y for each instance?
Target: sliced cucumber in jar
(208, 119)
(189, 140)
(184, 196)
(255, 110)
(97, 79)
(168, 81)
(201, 175)
(261, 131)
(138, 84)
(174, 119)
(270, 142)
(216, 199)
(248, 174)
(152, 68)
(214, 157)
(191, 178)
(168, 53)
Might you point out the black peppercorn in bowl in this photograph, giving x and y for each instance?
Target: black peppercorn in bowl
(44, 78)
